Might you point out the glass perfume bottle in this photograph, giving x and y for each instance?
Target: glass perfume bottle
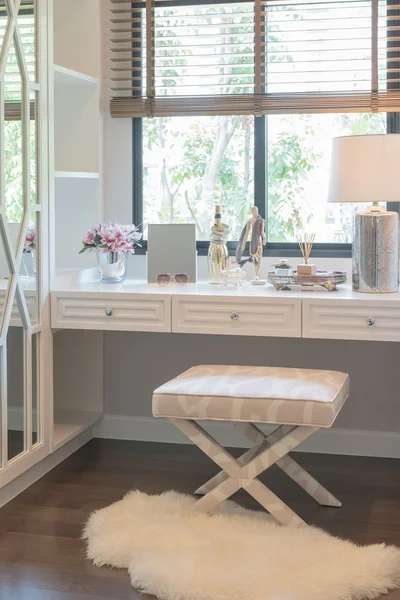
(218, 250)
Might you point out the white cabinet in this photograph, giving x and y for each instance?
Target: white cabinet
(137, 306)
(76, 127)
(258, 316)
(25, 341)
(111, 312)
(75, 161)
(353, 319)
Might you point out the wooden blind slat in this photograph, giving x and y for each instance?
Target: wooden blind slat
(254, 57)
(150, 47)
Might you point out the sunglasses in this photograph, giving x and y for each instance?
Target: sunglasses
(166, 278)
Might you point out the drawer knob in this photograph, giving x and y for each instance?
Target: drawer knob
(108, 312)
(370, 321)
(234, 316)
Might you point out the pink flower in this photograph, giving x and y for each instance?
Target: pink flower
(30, 240)
(89, 237)
(112, 237)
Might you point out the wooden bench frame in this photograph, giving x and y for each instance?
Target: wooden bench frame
(244, 471)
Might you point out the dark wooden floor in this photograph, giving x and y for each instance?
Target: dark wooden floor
(43, 558)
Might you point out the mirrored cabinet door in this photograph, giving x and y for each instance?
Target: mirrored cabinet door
(20, 238)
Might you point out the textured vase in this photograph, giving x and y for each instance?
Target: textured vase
(112, 266)
(376, 252)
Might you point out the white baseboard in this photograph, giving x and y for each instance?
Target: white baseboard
(327, 441)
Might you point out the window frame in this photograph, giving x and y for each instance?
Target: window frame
(273, 249)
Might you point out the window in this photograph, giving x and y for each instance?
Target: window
(240, 101)
(191, 163)
(298, 163)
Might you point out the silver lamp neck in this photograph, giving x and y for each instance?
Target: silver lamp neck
(376, 208)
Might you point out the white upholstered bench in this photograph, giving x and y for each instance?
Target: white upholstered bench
(298, 401)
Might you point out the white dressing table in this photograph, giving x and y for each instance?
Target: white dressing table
(80, 301)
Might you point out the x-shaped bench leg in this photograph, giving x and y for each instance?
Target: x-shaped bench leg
(286, 463)
(245, 475)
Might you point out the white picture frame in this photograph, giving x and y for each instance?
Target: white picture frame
(171, 249)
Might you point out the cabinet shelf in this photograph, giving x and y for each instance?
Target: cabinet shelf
(70, 423)
(76, 175)
(64, 76)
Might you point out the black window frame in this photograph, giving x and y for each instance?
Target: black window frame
(273, 249)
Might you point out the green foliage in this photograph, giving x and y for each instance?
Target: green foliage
(364, 124)
(186, 178)
(290, 159)
(13, 170)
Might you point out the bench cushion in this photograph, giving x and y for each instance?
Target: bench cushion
(254, 394)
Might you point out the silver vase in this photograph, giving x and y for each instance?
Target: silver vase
(376, 252)
(112, 266)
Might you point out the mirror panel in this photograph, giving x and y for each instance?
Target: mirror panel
(19, 134)
(36, 434)
(4, 278)
(33, 148)
(27, 29)
(28, 272)
(13, 145)
(16, 385)
(3, 22)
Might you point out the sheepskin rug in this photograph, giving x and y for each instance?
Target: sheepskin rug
(175, 553)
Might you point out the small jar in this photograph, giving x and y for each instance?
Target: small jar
(284, 268)
(233, 274)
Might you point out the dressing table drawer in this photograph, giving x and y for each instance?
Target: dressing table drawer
(280, 317)
(141, 312)
(351, 319)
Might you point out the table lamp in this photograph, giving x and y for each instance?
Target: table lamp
(366, 168)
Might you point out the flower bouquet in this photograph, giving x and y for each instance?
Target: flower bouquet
(30, 240)
(112, 243)
(28, 266)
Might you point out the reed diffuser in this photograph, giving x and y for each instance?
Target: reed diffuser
(306, 244)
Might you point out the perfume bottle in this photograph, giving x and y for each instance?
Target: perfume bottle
(218, 250)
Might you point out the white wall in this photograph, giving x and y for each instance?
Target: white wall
(118, 169)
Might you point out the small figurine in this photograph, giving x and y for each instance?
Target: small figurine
(218, 250)
(258, 239)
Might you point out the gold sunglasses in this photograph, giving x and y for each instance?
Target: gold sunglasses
(166, 278)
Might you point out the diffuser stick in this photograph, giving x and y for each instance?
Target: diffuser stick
(306, 243)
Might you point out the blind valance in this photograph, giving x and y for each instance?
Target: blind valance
(191, 57)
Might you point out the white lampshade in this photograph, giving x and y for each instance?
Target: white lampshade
(365, 168)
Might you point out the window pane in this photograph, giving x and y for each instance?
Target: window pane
(299, 154)
(191, 163)
(204, 48)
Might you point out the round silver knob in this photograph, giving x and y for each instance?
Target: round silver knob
(108, 312)
(370, 321)
(234, 316)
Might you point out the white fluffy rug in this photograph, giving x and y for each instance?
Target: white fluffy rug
(177, 554)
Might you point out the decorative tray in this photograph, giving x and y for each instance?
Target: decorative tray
(327, 279)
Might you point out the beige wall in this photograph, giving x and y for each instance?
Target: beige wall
(136, 363)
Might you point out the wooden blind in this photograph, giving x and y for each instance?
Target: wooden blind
(256, 57)
(13, 84)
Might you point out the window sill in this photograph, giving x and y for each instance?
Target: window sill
(278, 250)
